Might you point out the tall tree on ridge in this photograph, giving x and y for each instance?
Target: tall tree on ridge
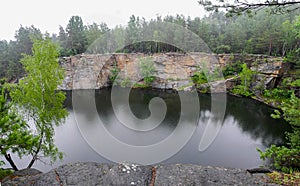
(77, 40)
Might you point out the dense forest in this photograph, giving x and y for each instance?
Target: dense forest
(263, 33)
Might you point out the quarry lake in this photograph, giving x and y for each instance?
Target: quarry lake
(247, 125)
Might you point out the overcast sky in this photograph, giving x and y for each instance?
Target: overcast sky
(47, 15)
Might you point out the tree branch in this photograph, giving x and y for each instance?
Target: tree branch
(239, 7)
(35, 155)
(10, 160)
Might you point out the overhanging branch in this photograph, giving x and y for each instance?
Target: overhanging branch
(239, 7)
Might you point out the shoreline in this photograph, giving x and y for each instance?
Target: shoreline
(261, 100)
(92, 173)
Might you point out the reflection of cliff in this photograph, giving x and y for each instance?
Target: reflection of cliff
(252, 117)
(172, 70)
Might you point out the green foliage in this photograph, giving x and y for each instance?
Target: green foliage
(203, 75)
(25, 37)
(278, 94)
(242, 90)
(296, 83)
(285, 178)
(4, 173)
(199, 78)
(73, 40)
(291, 110)
(114, 73)
(246, 76)
(284, 158)
(287, 158)
(293, 57)
(140, 85)
(276, 114)
(232, 69)
(185, 86)
(15, 134)
(95, 31)
(126, 82)
(222, 34)
(2, 82)
(10, 52)
(223, 49)
(38, 97)
(147, 70)
(203, 90)
(77, 40)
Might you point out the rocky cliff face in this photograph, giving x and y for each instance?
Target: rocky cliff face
(172, 70)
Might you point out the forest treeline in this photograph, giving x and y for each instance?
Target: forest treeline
(263, 33)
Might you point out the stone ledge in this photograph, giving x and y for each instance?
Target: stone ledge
(132, 174)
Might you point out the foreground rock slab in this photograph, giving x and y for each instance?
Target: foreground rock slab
(205, 175)
(132, 174)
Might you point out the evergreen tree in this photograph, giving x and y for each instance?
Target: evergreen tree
(15, 134)
(77, 41)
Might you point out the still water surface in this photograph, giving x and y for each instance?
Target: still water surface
(247, 125)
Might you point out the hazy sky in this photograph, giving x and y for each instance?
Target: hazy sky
(47, 15)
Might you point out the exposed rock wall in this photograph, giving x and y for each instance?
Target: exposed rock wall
(172, 70)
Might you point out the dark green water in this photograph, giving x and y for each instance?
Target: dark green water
(247, 125)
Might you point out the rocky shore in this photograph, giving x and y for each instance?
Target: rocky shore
(132, 174)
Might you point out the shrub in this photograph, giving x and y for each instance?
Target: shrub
(232, 69)
(287, 158)
(114, 73)
(126, 83)
(147, 70)
(199, 78)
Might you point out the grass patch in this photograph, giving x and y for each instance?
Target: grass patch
(284, 178)
(185, 86)
(4, 173)
(141, 85)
